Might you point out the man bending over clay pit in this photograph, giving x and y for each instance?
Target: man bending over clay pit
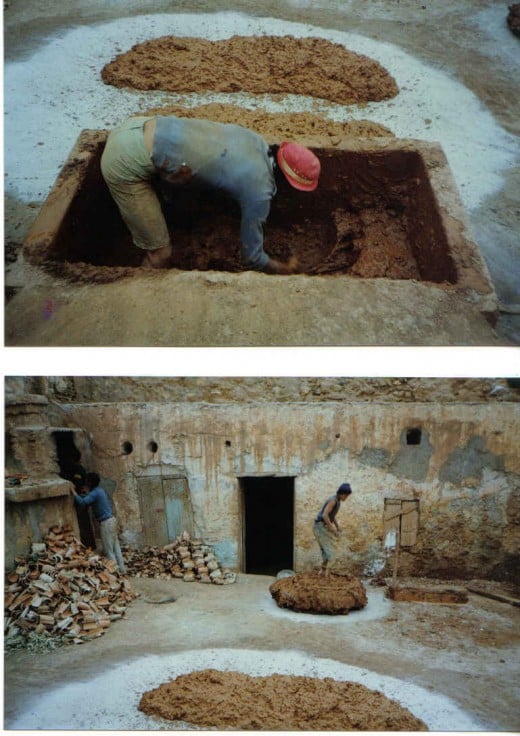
(228, 157)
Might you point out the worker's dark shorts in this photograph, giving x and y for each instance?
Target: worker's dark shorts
(127, 169)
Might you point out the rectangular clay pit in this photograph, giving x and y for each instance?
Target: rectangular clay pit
(428, 594)
(385, 208)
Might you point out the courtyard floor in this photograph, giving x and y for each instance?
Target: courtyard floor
(454, 666)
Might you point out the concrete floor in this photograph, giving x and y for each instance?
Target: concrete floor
(465, 43)
(454, 666)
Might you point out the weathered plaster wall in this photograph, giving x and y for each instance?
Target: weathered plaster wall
(465, 472)
(36, 498)
(28, 522)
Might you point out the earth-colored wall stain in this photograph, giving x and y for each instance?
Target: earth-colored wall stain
(469, 462)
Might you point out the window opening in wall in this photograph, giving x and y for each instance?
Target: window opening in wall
(153, 446)
(69, 461)
(127, 448)
(268, 524)
(413, 436)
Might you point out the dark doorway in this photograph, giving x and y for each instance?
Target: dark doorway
(268, 508)
(69, 461)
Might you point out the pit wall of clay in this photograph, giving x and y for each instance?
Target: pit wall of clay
(465, 473)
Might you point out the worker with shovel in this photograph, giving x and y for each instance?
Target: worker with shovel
(225, 156)
(97, 497)
(326, 528)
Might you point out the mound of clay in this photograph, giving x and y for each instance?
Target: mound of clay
(314, 593)
(258, 65)
(280, 126)
(513, 18)
(232, 700)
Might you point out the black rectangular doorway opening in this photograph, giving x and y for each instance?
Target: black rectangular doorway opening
(69, 461)
(268, 524)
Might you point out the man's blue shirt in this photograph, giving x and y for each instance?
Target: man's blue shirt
(98, 499)
(228, 157)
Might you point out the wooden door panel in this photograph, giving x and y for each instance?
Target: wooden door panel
(401, 520)
(409, 523)
(166, 510)
(179, 515)
(153, 511)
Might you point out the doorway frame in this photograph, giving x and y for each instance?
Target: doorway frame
(242, 511)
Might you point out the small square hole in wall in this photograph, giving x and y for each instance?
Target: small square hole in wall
(413, 436)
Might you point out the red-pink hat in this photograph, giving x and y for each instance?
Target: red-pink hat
(299, 165)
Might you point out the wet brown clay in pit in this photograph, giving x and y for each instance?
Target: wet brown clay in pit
(314, 593)
(232, 700)
(372, 216)
(258, 65)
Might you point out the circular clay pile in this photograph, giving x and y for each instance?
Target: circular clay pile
(232, 700)
(254, 64)
(315, 593)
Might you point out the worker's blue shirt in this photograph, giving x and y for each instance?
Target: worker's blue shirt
(226, 156)
(98, 499)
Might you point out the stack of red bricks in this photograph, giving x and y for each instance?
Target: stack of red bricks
(64, 590)
(185, 558)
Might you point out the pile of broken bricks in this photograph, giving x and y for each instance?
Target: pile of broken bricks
(184, 558)
(63, 590)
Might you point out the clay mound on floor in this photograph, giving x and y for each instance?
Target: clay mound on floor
(314, 593)
(279, 126)
(255, 64)
(232, 700)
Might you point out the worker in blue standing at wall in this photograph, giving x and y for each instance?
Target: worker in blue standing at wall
(97, 497)
(225, 156)
(326, 528)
